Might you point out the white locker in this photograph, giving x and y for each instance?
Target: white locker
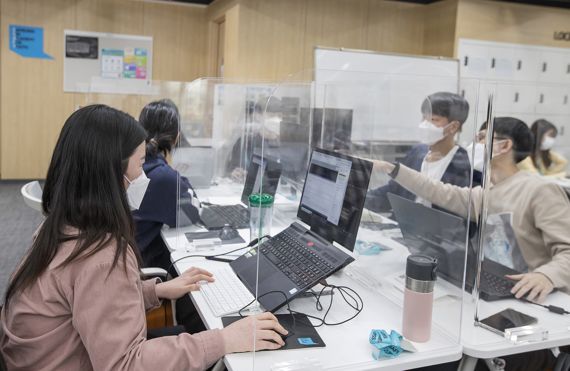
(550, 100)
(526, 61)
(552, 67)
(474, 60)
(515, 98)
(501, 63)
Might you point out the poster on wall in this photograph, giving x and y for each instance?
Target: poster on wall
(28, 41)
(112, 63)
(107, 63)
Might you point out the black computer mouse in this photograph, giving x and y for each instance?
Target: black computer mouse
(228, 233)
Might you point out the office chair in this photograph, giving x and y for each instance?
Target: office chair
(32, 193)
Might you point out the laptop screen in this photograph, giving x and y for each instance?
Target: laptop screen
(333, 195)
(262, 176)
(433, 232)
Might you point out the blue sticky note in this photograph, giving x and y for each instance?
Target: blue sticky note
(28, 41)
(306, 341)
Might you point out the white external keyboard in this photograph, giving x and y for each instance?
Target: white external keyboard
(227, 294)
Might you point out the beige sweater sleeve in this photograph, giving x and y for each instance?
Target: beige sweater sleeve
(450, 197)
(108, 313)
(552, 217)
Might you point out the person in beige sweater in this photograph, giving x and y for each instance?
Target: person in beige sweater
(540, 209)
(76, 301)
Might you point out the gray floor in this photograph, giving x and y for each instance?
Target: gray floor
(17, 225)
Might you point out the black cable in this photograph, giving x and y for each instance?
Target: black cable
(250, 244)
(343, 290)
(550, 308)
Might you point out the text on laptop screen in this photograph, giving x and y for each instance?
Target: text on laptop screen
(333, 195)
(326, 185)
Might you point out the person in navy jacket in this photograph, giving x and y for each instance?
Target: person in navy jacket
(159, 206)
(437, 156)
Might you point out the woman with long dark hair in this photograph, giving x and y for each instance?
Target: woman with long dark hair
(167, 188)
(76, 301)
(543, 159)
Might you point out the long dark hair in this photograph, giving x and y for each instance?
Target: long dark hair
(84, 189)
(539, 129)
(161, 121)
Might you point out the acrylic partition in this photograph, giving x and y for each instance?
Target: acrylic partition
(522, 211)
(336, 142)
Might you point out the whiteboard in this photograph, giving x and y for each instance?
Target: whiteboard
(385, 91)
(117, 64)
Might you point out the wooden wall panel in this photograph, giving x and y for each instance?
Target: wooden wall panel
(271, 33)
(33, 88)
(334, 23)
(440, 28)
(31, 92)
(513, 23)
(180, 41)
(395, 27)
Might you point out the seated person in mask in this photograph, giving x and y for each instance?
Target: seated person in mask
(543, 159)
(438, 157)
(261, 128)
(538, 209)
(166, 189)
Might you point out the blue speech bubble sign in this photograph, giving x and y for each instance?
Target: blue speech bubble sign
(28, 41)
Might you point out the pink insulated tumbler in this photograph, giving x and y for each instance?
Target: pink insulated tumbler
(418, 297)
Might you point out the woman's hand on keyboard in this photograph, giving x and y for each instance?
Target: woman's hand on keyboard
(239, 336)
(183, 284)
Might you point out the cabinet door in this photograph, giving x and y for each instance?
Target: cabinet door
(515, 98)
(501, 63)
(553, 67)
(474, 60)
(565, 110)
(526, 64)
(550, 100)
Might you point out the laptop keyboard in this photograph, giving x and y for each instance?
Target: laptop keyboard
(295, 260)
(227, 294)
(236, 216)
(496, 285)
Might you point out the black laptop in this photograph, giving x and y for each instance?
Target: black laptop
(443, 235)
(262, 175)
(298, 258)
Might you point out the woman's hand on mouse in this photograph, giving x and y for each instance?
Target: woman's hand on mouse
(259, 332)
(183, 284)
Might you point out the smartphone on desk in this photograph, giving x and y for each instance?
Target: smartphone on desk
(505, 319)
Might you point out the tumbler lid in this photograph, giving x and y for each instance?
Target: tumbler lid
(421, 267)
(260, 199)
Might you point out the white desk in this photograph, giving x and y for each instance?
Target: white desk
(347, 345)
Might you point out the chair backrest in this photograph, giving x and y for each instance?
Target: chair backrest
(32, 193)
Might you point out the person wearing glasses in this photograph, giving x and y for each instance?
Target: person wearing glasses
(537, 209)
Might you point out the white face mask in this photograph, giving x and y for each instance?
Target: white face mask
(547, 143)
(478, 158)
(429, 133)
(136, 191)
(272, 124)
